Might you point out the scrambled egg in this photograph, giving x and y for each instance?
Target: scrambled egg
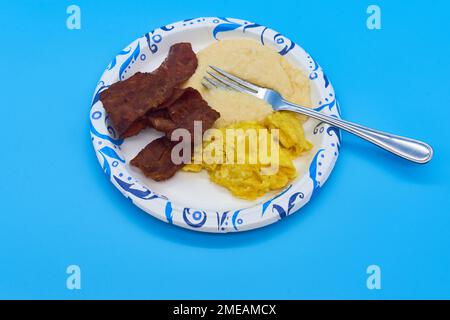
(251, 179)
(292, 136)
(263, 66)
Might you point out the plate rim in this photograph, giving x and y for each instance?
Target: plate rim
(285, 203)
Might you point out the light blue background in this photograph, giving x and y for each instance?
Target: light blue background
(58, 208)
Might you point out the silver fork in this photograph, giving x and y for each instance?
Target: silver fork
(410, 149)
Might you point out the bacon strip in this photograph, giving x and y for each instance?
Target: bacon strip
(155, 159)
(129, 100)
(191, 107)
(154, 118)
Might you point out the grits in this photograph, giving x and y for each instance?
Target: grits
(256, 63)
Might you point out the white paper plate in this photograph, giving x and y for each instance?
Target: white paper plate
(191, 200)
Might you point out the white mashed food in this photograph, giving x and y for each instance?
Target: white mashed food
(256, 63)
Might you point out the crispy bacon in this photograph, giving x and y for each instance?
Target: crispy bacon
(129, 100)
(182, 113)
(191, 107)
(155, 160)
(155, 117)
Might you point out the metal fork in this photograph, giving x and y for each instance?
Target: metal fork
(410, 149)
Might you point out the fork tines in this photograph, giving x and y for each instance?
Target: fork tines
(223, 79)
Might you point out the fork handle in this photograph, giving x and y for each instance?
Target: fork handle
(410, 149)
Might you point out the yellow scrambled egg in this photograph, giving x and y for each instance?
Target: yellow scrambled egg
(251, 179)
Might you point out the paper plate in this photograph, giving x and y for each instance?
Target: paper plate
(190, 200)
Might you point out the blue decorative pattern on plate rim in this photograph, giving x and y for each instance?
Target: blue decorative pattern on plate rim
(108, 146)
